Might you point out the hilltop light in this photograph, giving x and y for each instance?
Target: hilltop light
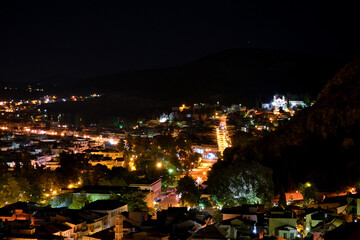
(159, 165)
(70, 186)
(308, 184)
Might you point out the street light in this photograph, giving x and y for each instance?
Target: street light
(159, 165)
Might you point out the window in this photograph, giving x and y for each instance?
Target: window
(285, 235)
(292, 235)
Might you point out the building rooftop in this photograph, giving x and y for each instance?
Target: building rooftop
(286, 227)
(146, 181)
(56, 227)
(210, 232)
(104, 189)
(107, 234)
(104, 205)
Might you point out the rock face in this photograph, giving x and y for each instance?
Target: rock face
(337, 110)
(321, 143)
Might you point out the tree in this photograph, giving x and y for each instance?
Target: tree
(10, 190)
(95, 174)
(184, 143)
(309, 192)
(136, 201)
(282, 198)
(117, 176)
(62, 200)
(217, 215)
(165, 142)
(189, 190)
(205, 203)
(121, 146)
(79, 201)
(70, 167)
(141, 145)
(234, 184)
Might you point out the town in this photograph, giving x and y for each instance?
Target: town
(153, 179)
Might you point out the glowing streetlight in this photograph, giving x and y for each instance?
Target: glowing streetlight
(171, 170)
(159, 165)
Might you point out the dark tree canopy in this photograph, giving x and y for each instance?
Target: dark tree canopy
(189, 190)
(233, 184)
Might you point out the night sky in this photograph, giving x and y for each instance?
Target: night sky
(43, 40)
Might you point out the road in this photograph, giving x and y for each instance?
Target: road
(222, 135)
(200, 173)
(169, 200)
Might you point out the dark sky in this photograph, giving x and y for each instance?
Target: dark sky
(85, 39)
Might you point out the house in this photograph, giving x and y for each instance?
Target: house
(79, 227)
(319, 231)
(19, 211)
(280, 218)
(353, 204)
(249, 211)
(59, 229)
(336, 204)
(171, 215)
(212, 232)
(42, 160)
(106, 234)
(109, 207)
(239, 227)
(53, 164)
(290, 197)
(107, 161)
(85, 222)
(286, 232)
(107, 153)
(153, 185)
(313, 217)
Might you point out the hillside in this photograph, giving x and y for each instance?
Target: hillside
(321, 143)
(237, 75)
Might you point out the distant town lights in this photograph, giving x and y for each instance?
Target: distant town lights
(113, 141)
